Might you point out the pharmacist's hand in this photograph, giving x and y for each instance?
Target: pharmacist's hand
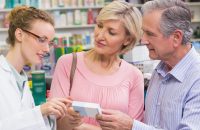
(55, 106)
(114, 120)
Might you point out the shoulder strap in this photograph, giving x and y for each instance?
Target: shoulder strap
(73, 68)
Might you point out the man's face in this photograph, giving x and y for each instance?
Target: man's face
(159, 46)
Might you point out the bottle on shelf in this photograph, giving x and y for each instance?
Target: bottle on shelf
(90, 16)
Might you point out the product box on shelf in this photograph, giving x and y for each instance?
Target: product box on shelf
(39, 87)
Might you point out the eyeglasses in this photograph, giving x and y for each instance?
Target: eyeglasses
(42, 40)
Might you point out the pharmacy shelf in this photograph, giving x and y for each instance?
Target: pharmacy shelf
(195, 39)
(196, 21)
(189, 3)
(4, 10)
(3, 29)
(62, 27)
(76, 26)
(137, 5)
(193, 3)
(74, 8)
(61, 8)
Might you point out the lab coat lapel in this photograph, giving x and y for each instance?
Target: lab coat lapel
(27, 102)
(10, 76)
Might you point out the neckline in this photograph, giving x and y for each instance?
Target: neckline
(98, 79)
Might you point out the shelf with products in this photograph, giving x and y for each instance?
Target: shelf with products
(195, 20)
(75, 26)
(53, 3)
(77, 18)
(6, 10)
(195, 39)
(193, 3)
(68, 14)
(73, 8)
(195, 11)
(63, 27)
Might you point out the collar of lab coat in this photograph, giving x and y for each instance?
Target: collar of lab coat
(4, 64)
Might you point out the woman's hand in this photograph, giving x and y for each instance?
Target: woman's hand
(114, 120)
(71, 120)
(74, 117)
(86, 126)
(55, 106)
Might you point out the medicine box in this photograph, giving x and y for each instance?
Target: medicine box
(86, 108)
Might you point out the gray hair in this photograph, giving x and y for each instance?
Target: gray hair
(176, 15)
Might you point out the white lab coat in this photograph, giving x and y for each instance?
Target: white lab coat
(16, 112)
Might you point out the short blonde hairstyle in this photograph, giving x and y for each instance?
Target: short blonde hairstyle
(130, 17)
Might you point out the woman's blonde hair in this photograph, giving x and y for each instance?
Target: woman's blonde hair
(129, 15)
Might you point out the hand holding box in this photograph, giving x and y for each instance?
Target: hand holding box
(86, 108)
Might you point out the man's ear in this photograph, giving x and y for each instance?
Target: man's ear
(18, 34)
(177, 37)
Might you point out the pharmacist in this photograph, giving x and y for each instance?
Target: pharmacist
(28, 43)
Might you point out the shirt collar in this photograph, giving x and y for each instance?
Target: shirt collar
(180, 70)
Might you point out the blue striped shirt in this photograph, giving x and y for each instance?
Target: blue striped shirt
(173, 98)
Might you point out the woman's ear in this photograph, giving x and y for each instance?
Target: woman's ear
(18, 34)
(128, 41)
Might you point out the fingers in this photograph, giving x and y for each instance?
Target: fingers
(109, 111)
(56, 106)
(103, 117)
(71, 111)
(66, 101)
(54, 111)
(106, 125)
(75, 121)
(106, 128)
(60, 106)
(73, 116)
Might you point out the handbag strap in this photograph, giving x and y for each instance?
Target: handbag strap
(73, 68)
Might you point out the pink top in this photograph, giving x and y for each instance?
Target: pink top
(123, 90)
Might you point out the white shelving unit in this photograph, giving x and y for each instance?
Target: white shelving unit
(63, 27)
(76, 26)
(193, 3)
(82, 28)
(73, 8)
(195, 39)
(196, 21)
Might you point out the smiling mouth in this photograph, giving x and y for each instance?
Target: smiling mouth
(40, 56)
(100, 44)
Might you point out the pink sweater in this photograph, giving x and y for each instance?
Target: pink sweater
(123, 90)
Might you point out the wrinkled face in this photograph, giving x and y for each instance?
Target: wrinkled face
(109, 37)
(159, 47)
(35, 42)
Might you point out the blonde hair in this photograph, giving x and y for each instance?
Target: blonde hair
(22, 17)
(129, 15)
